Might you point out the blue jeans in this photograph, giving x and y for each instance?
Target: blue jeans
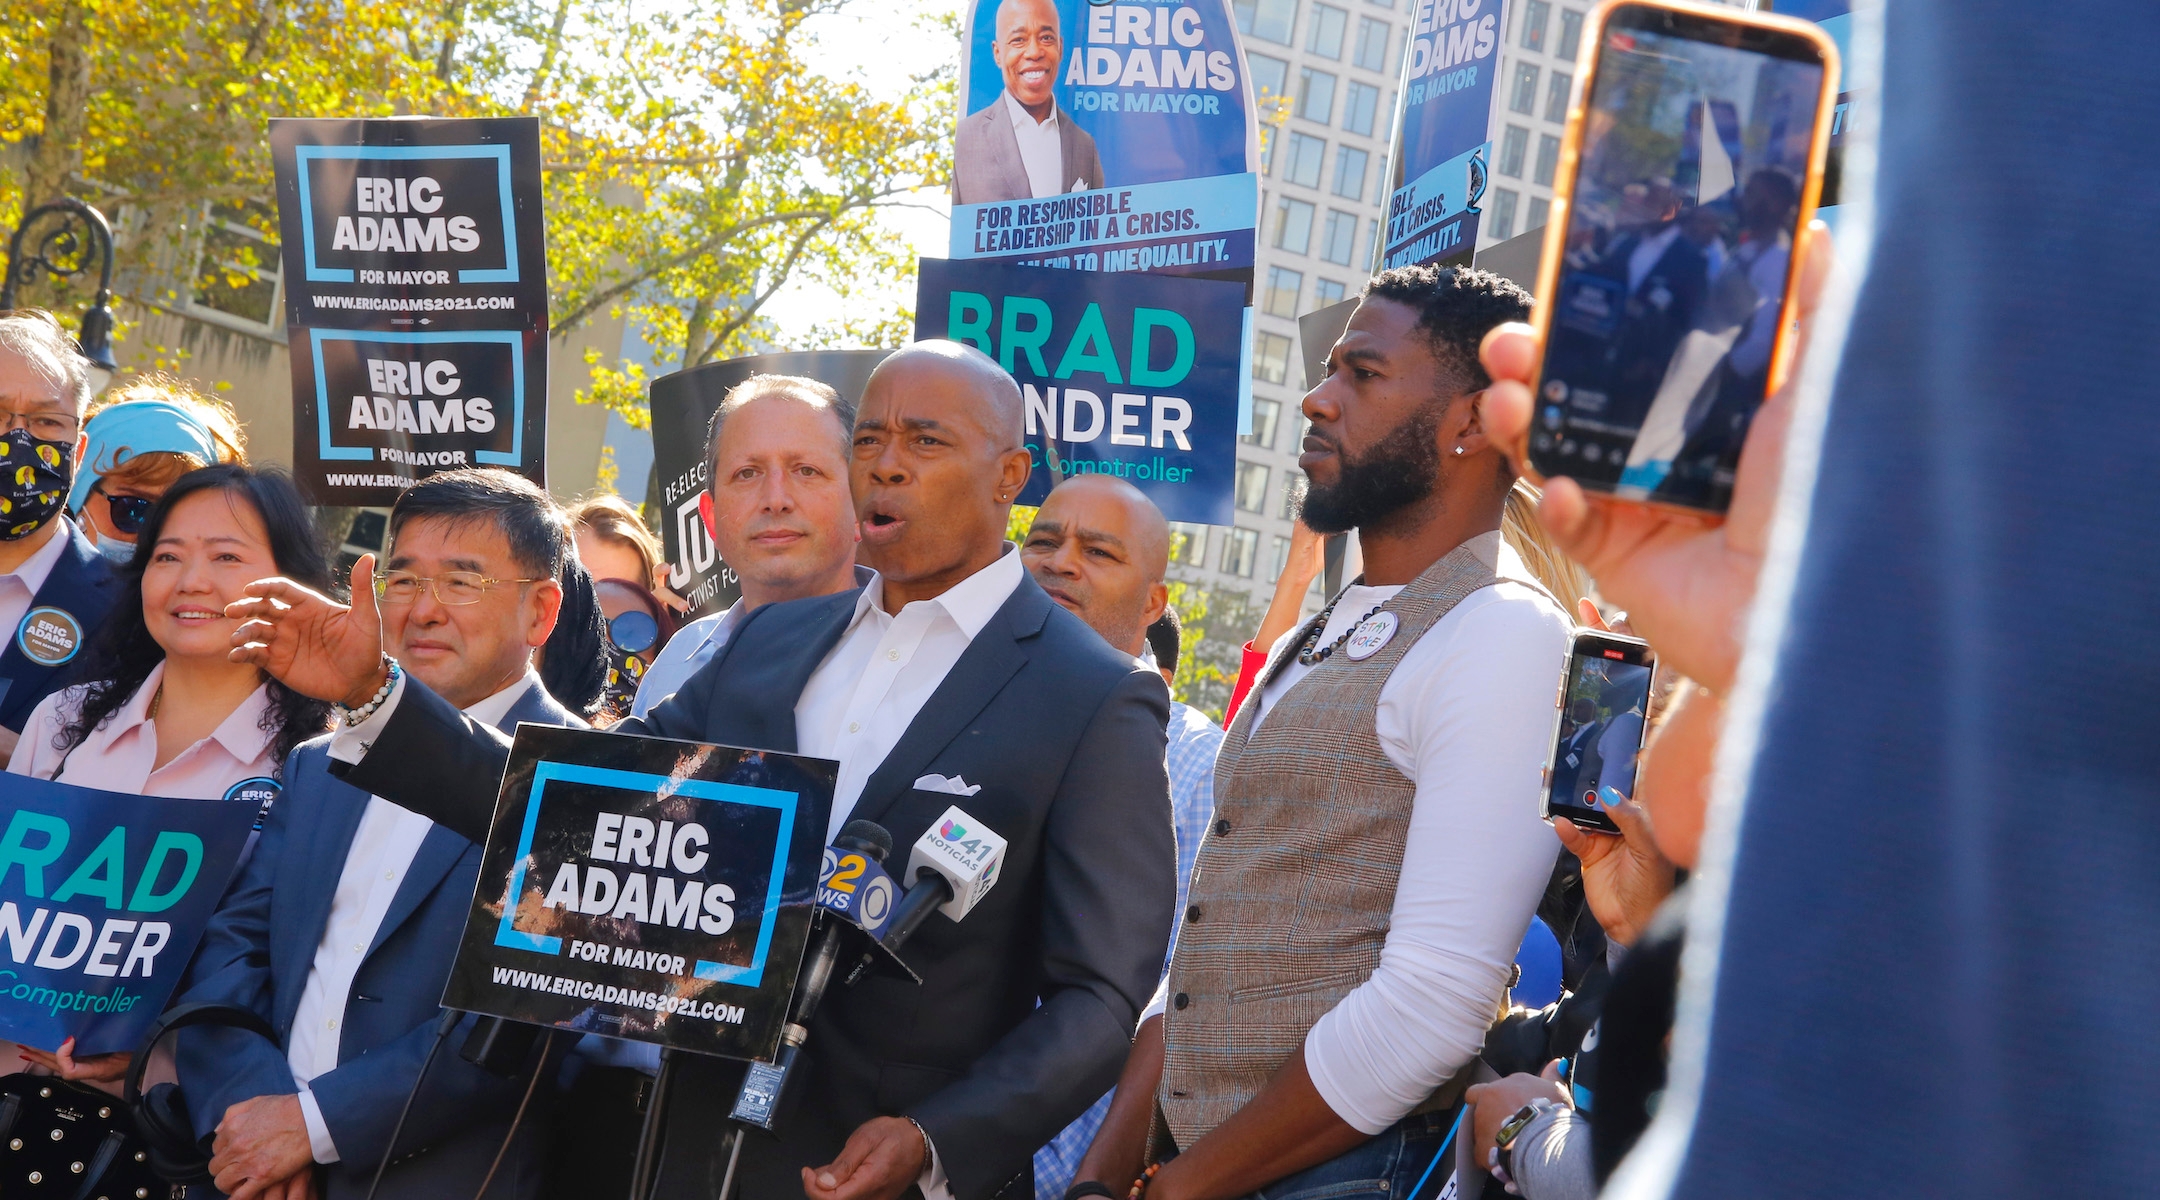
(1384, 1168)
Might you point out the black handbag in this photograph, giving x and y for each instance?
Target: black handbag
(69, 1142)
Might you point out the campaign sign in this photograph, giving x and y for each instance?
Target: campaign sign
(411, 223)
(377, 410)
(1106, 137)
(1441, 149)
(682, 407)
(1136, 377)
(647, 889)
(102, 899)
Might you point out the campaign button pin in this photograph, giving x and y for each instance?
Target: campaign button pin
(1371, 634)
(259, 791)
(49, 636)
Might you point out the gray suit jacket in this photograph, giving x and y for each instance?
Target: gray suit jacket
(987, 167)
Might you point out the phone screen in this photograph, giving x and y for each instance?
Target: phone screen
(1678, 244)
(1601, 731)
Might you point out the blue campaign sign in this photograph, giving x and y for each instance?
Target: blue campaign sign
(1106, 137)
(102, 899)
(1441, 148)
(1135, 377)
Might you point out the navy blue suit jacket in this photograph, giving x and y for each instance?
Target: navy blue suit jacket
(257, 954)
(82, 584)
(1026, 1009)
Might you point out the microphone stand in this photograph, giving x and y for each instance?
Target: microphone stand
(645, 1169)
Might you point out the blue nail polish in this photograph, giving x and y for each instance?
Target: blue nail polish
(1610, 796)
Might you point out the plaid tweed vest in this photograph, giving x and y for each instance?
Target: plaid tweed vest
(1292, 890)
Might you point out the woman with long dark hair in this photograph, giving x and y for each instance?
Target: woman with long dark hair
(157, 709)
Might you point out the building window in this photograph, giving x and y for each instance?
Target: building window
(1536, 15)
(1350, 167)
(1503, 214)
(1293, 225)
(1270, 76)
(1548, 158)
(1188, 543)
(1372, 244)
(1280, 558)
(1270, 357)
(1293, 491)
(1338, 241)
(1316, 95)
(239, 273)
(1268, 20)
(1371, 49)
(1283, 284)
(1523, 98)
(1388, 4)
(1513, 144)
(1325, 35)
(1570, 35)
(1326, 292)
(1238, 552)
(1540, 212)
(1267, 149)
(1556, 95)
(1302, 164)
(1251, 486)
(1360, 102)
(1266, 414)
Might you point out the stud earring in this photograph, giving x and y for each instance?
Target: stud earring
(1458, 449)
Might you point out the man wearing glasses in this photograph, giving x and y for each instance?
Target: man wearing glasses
(54, 586)
(354, 975)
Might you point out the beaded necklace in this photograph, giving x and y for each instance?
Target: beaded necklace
(1308, 655)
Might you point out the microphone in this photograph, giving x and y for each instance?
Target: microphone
(757, 1102)
(953, 865)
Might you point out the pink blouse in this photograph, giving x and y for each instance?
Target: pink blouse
(117, 756)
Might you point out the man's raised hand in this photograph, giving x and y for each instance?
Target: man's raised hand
(311, 643)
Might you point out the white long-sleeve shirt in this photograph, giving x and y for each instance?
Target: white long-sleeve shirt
(1466, 717)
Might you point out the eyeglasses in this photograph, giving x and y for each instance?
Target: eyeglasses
(633, 632)
(450, 587)
(45, 427)
(127, 513)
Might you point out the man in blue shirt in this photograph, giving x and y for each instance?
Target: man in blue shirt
(1100, 548)
(782, 514)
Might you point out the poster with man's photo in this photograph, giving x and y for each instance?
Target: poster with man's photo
(1106, 137)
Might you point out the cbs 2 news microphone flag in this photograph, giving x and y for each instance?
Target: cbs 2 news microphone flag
(415, 272)
(103, 897)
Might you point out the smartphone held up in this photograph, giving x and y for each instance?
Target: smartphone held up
(1691, 166)
(1598, 733)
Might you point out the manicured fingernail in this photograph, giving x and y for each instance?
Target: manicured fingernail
(1610, 797)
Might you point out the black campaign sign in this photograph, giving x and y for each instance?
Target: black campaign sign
(428, 223)
(416, 292)
(377, 409)
(646, 889)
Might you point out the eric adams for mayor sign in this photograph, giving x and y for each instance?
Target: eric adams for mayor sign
(416, 283)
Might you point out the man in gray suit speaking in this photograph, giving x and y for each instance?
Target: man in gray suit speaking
(1020, 146)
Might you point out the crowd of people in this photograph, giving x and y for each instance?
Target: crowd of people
(1267, 956)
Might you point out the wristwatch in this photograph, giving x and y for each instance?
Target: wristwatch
(1503, 1154)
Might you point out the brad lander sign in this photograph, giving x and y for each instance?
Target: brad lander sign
(647, 889)
(380, 409)
(427, 223)
(102, 899)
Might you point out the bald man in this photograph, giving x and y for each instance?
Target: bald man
(950, 680)
(1021, 145)
(1100, 548)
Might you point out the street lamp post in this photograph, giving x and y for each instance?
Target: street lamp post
(63, 252)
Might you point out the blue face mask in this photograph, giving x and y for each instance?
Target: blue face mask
(116, 552)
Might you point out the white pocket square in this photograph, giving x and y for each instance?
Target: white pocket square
(954, 786)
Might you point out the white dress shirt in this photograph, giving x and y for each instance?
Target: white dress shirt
(874, 682)
(1042, 151)
(20, 586)
(1647, 253)
(382, 851)
(1465, 716)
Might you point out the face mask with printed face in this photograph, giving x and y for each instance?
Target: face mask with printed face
(34, 478)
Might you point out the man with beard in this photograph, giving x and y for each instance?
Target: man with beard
(1333, 979)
